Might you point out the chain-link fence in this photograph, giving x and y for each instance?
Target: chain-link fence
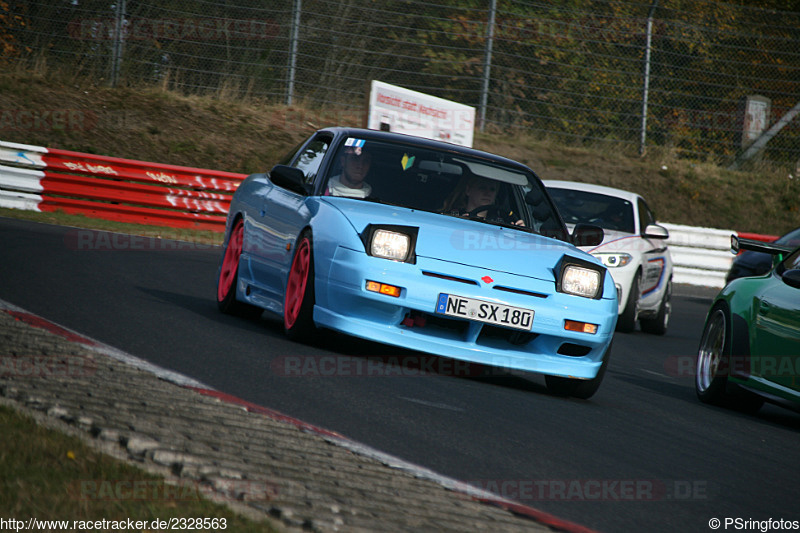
(671, 73)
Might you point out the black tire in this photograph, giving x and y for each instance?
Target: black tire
(298, 309)
(228, 277)
(626, 322)
(658, 325)
(713, 365)
(578, 388)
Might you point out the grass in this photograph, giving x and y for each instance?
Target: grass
(244, 134)
(47, 475)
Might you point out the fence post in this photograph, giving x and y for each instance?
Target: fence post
(646, 87)
(117, 44)
(487, 64)
(296, 9)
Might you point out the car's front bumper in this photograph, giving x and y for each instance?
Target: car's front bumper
(623, 280)
(344, 304)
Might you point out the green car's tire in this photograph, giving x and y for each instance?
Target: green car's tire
(714, 364)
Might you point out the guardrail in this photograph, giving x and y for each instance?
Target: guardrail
(41, 179)
(702, 256)
(36, 178)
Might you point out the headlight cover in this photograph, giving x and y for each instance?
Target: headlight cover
(580, 278)
(614, 260)
(390, 245)
(395, 243)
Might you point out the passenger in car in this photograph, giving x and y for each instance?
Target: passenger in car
(355, 163)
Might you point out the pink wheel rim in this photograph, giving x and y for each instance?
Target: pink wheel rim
(296, 286)
(231, 261)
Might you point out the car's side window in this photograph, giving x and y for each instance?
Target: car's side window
(791, 262)
(645, 216)
(311, 157)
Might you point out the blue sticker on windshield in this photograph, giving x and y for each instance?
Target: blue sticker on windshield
(358, 143)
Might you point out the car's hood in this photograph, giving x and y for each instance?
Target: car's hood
(613, 241)
(468, 242)
(616, 241)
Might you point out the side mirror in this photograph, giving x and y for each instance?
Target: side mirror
(290, 178)
(792, 278)
(587, 235)
(654, 231)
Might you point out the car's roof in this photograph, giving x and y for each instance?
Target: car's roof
(589, 187)
(388, 136)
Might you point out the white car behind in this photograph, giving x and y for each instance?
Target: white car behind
(634, 249)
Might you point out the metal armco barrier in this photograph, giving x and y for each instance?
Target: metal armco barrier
(124, 190)
(702, 256)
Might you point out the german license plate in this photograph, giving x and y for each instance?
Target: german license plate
(483, 311)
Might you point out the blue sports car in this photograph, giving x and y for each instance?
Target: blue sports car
(424, 245)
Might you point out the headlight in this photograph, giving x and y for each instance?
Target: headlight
(580, 277)
(614, 260)
(390, 245)
(581, 281)
(391, 241)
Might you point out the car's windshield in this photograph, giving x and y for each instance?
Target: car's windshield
(608, 212)
(790, 239)
(443, 182)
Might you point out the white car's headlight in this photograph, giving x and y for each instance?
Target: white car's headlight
(581, 281)
(614, 260)
(390, 245)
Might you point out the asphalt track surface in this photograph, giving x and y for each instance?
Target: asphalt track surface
(642, 455)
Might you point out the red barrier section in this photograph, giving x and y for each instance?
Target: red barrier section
(135, 193)
(126, 190)
(757, 236)
(133, 214)
(129, 169)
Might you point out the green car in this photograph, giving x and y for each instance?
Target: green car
(750, 349)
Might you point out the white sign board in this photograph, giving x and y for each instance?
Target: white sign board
(393, 108)
(756, 118)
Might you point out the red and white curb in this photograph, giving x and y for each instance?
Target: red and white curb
(330, 436)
